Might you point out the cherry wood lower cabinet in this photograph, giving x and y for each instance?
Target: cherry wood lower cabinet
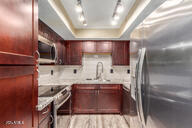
(96, 98)
(18, 97)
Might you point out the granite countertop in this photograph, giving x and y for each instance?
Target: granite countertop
(43, 102)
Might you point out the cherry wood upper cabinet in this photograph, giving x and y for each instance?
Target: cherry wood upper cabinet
(104, 46)
(89, 47)
(73, 52)
(18, 33)
(18, 97)
(97, 47)
(120, 53)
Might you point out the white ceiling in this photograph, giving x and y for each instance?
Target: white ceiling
(48, 15)
(98, 13)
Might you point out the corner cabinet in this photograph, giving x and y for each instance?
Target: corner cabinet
(95, 98)
(120, 53)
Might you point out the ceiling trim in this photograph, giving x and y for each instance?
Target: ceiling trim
(134, 12)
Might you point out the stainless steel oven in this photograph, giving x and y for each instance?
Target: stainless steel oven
(59, 100)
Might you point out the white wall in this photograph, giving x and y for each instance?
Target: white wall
(65, 75)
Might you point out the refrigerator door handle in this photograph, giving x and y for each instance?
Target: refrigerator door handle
(138, 85)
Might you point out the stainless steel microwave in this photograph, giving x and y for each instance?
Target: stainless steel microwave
(47, 52)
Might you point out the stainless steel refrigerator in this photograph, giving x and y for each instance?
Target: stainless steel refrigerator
(161, 67)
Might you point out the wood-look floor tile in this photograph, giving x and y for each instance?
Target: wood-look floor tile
(97, 121)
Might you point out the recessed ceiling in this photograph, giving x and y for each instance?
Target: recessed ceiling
(98, 13)
(60, 15)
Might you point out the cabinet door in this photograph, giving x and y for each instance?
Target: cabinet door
(126, 53)
(104, 47)
(89, 47)
(85, 101)
(18, 33)
(18, 97)
(84, 98)
(109, 100)
(120, 53)
(74, 53)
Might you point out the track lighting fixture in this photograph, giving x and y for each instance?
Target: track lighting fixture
(118, 9)
(79, 9)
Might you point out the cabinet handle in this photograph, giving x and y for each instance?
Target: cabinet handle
(37, 52)
(47, 110)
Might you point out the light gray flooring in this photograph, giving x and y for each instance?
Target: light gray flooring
(93, 121)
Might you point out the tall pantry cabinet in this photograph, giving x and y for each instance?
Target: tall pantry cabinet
(18, 70)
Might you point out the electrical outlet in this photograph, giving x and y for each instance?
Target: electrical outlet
(111, 71)
(75, 71)
(51, 72)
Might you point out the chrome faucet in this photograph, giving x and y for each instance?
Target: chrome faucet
(98, 76)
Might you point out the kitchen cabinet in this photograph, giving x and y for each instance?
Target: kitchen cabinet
(18, 96)
(97, 47)
(73, 53)
(45, 119)
(89, 47)
(18, 59)
(96, 98)
(84, 99)
(104, 47)
(74, 50)
(109, 99)
(120, 53)
(18, 33)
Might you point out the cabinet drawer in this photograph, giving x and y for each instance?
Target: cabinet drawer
(110, 86)
(86, 86)
(44, 113)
